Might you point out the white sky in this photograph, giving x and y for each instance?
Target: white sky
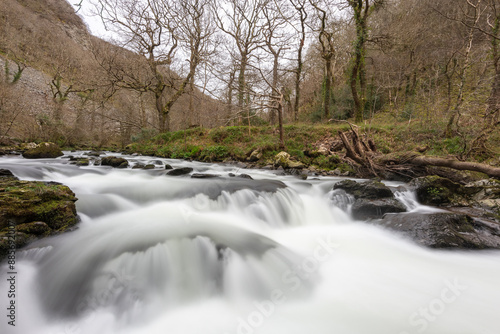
(94, 23)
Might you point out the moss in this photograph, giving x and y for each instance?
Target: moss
(43, 150)
(37, 209)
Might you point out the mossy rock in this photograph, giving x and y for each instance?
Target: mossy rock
(439, 191)
(116, 162)
(36, 209)
(43, 150)
(37, 228)
(82, 162)
(283, 159)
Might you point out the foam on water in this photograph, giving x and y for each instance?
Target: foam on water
(159, 254)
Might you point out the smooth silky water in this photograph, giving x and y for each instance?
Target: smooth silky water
(161, 254)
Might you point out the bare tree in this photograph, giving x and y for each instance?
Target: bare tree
(241, 21)
(158, 31)
(276, 40)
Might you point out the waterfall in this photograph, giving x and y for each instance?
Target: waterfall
(160, 254)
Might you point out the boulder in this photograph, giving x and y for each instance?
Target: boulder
(115, 162)
(43, 150)
(367, 190)
(204, 176)
(6, 173)
(445, 230)
(283, 159)
(149, 166)
(138, 165)
(82, 162)
(372, 199)
(363, 209)
(180, 171)
(167, 166)
(95, 153)
(33, 210)
(439, 191)
(245, 176)
(256, 155)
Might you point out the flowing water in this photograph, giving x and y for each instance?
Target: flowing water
(162, 254)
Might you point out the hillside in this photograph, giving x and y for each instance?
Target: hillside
(61, 94)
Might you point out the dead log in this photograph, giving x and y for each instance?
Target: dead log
(455, 164)
(367, 157)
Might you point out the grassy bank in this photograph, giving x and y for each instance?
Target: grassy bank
(238, 142)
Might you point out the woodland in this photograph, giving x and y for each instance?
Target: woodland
(381, 84)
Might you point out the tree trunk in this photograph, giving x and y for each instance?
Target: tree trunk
(274, 111)
(366, 156)
(328, 88)
(230, 98)
(493, 110)
(241, 87)
(458, 165)
(298, 73)
(280, 121)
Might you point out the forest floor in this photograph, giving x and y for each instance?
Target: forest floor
(314, 145)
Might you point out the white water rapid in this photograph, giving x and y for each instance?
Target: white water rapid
(159, 254)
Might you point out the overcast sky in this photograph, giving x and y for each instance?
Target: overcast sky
(84, 8)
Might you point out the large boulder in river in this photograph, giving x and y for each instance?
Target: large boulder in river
(438, 191)
(180, 171)
(372, 199)
(30, 210)
(363, 209)
(43, 150)
(116, 162)
(445, 230)
(368, 190)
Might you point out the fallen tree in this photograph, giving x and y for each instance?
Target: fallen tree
(362, 154)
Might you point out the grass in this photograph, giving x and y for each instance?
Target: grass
(389, 133)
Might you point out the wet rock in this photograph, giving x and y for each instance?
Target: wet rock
(204, 176)
(245, 176)
(445, 230)
(115, 162)
(138, 165)
(35, 209)
(363, 209)
(7, 173)
(367, 190)
(82, 162)
(156, 162)
(180, 171)
(231, 175)
(43, 150)
(438, 191)
(149, 166)
(95, 153)
(373, 199)
(167, 166)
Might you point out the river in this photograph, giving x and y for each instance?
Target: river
(229, 255)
